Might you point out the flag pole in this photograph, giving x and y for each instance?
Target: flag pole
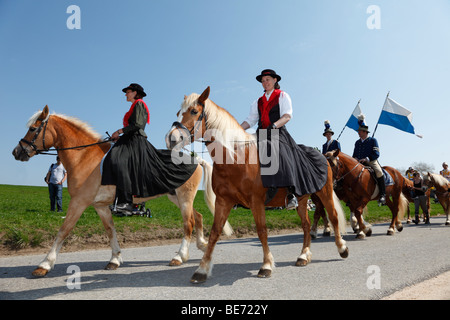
(376, 127)
(346, 124)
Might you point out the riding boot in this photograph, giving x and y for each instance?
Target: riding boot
(427, 218)
(382, 187)
(416, 219)
(292, 202)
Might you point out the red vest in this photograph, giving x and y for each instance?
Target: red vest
(266, 118)
(130, 112)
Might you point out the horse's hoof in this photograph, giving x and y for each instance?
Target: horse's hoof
(301, 262)
(400, 228)
(111, 266)
(369, 232)
(390, 232)
(344, 254)
(313, 236)
(327, 234)
(175, 263)
(39, 272)
(264, 273)
(447, 223)
(198, 278)
(361, 236)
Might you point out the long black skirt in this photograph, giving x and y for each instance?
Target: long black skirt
(287, 164)
(137, 168)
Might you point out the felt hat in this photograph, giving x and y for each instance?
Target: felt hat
(362, 124)
(135, 87)
(327, 128)
(268, 72)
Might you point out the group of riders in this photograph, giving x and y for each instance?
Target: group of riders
(136, 168)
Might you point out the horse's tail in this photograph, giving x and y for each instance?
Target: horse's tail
(340, 214)
(209, 195)
(402, 207)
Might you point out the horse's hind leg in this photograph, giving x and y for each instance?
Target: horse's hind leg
(305, 256)
(394, 209)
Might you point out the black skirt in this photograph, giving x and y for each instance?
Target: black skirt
(137, 168)
(303, 168)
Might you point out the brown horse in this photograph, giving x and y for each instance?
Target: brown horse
(442, 186)
(359, 188)
(84, 177)
(236, 179)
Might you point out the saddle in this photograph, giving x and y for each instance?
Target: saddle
(388, 181)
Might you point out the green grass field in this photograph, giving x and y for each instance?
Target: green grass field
(26, 220)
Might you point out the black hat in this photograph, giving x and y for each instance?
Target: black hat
(135, 87)
(268, 72)
(327, 128)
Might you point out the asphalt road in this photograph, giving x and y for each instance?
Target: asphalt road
(376, 267)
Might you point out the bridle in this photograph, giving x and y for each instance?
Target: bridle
(44, 150)
(337, 179)
(192, 133)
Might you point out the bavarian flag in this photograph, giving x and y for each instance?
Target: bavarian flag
(397, 116)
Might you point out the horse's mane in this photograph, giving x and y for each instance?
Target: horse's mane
(231, 132)
(440, 180)
(78, 124)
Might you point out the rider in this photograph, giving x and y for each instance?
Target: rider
(331, 144)
(302, 170)
(445, 172)
(367, 152)
(133, 164)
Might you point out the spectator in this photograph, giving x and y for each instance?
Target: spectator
(420, 199)
(55, 178)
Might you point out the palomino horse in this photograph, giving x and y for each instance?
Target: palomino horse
(359, 188)
(84, 177)
(442, 186)
(236, 179)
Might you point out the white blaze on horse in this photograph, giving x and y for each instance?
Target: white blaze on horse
(237, 179)
(442, 186)
(84, 183)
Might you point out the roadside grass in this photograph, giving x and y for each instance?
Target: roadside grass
(26, 221)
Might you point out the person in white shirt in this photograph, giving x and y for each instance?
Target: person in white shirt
(300, 169)
(55, 178)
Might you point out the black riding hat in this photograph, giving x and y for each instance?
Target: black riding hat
(135, 87)
(268, 72)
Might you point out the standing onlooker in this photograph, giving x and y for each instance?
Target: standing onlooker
(420, 199)
(445, 173)
(55, 178)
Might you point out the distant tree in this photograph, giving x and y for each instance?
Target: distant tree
(423, 167)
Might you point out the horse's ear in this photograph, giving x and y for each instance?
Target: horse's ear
(204, 95)
(44, 113)
(336, 153)
(429, 174)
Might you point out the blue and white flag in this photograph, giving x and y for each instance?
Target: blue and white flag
(395, 115)
(353, 121)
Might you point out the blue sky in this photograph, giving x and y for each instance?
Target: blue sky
(327, 56)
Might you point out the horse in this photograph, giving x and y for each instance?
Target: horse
(83, 166)
(359, 188)
(442, 186)
(236, 179)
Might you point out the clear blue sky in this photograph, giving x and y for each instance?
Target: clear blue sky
(326, 54)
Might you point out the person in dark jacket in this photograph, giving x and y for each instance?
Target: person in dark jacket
(367, 152)
(331, 144)
(133, 164)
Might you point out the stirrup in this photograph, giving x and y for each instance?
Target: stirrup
(292, 203)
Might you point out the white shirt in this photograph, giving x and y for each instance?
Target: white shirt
(57, 173)
(285, 107)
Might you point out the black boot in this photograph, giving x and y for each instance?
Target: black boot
(382, 187)
(427, 218)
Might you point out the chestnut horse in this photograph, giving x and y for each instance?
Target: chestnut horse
(358, 188)
(442, 186)
(84, 183)
(236, 179)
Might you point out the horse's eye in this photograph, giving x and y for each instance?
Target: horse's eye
(32, 129)
(194, 112)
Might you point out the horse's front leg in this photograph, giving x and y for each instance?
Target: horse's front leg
(394, 209)
(76, 208)
(204, 270)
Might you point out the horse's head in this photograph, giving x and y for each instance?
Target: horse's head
(35, 140)
(191, 123)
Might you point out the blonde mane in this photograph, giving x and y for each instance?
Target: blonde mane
(78, 124)
(231, 133)
(440, 180)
